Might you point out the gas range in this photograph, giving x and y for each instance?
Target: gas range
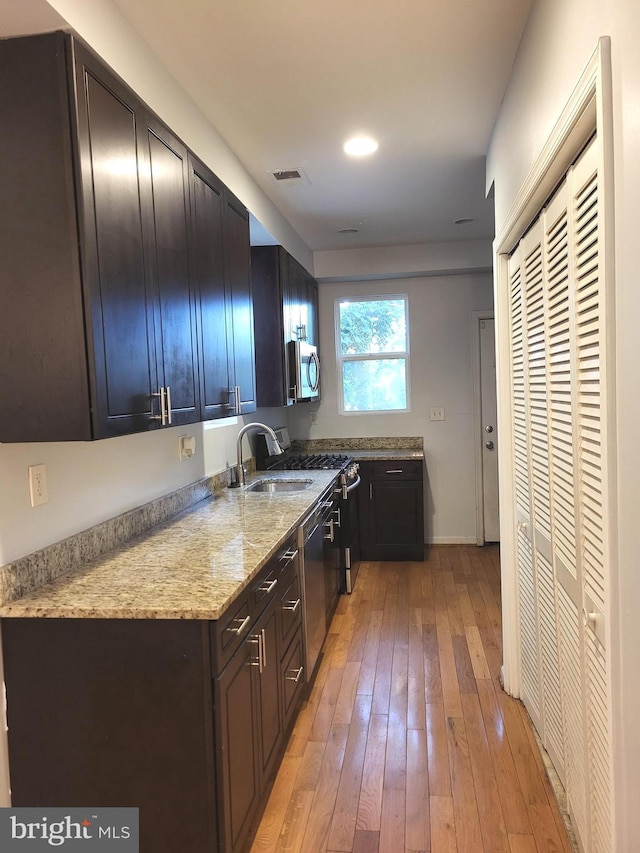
(311, 461)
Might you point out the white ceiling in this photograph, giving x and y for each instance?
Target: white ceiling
(285, 82)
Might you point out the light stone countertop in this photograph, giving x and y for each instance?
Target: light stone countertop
(189, 567)
(384, 455)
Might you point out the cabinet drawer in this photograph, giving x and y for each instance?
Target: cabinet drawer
(229, 631)
(397, 470)
(293, 676)
(290, 610)
(275, 575)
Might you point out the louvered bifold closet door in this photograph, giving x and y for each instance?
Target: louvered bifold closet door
(527, 593)
(593, 517)
(537, 384)
(562, 402)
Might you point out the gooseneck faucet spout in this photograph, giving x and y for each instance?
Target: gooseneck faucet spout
(240, 472)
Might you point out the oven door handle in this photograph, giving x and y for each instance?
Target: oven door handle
(355, 483)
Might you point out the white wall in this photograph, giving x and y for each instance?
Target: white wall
(556, 45)
(440, 310)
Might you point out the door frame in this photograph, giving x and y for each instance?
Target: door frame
(589, 109)
(476, 317)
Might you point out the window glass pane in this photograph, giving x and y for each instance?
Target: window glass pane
(374, 385)
(375, 326)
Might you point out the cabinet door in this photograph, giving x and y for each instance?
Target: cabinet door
(166, 208)
(309, 301)
(396, 520)
(237, 745)
(240, 304)
(207, 210)
(120, 302)
(268, 694)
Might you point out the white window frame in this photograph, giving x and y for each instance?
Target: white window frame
(377, 356)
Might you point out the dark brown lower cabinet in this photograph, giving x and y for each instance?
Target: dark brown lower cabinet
(185, 719)
(391, 510)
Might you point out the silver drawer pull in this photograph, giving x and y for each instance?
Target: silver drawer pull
(289, 555)
(396, 471)
(297, 676)
(244, 624)
(268, 587)
(260, 662)
(291, 606)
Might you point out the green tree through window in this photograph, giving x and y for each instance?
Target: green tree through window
(372, 342)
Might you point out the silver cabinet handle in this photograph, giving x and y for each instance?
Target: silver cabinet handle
(370, 491)
(162, 417)
(238, 401)
(264, 648)
(395, 471)
(168, 402)
(259, 663)
(329, 524)
(229, 405)
(291, 606)
(336, 520)
(267, 587)
(242, 627)
(297, 676)
(289, 555)
(293, 392)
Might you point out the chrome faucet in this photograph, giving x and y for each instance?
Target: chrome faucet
(240, 472)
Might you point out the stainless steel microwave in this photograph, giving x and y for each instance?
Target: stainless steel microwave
(304, 366)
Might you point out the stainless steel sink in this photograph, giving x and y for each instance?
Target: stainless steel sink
(273, 486)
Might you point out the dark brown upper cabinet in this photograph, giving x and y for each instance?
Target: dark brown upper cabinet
(220, 271)
(285, 299)
(98, 305)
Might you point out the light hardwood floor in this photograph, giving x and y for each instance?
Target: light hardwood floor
(407, 741)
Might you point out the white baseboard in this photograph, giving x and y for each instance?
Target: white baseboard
(453, 540)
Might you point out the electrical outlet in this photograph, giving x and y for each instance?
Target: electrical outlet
(437, 413)
(38, 484)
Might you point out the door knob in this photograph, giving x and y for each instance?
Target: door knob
(488, 445)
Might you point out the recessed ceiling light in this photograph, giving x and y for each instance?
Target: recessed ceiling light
(360, 146)
(463, 221)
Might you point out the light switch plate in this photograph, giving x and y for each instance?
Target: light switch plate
(38, 485)
(437, 413)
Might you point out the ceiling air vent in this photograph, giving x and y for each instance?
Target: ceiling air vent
(292, 177)
(287, 175)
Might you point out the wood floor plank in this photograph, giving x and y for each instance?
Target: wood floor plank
(310, 764)
(522, 844)
(326, 706)
(448, 672)
(465, 807)
(295, 822)
(370, 801)
(476, 652)
(398, 691)
(417, 834)
(514, 809)
(443, 828)
(343, 823)
(464, 666)
(276, 808)
(415, 675)
(370, 653)
(492, 825)
(321, 812)
(531, 783)
(437, 752)
(545, 830)
(347, 694)
(392, 822)
(432, 677)
(366, 841)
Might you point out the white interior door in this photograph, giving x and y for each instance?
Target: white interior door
(489, 431)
